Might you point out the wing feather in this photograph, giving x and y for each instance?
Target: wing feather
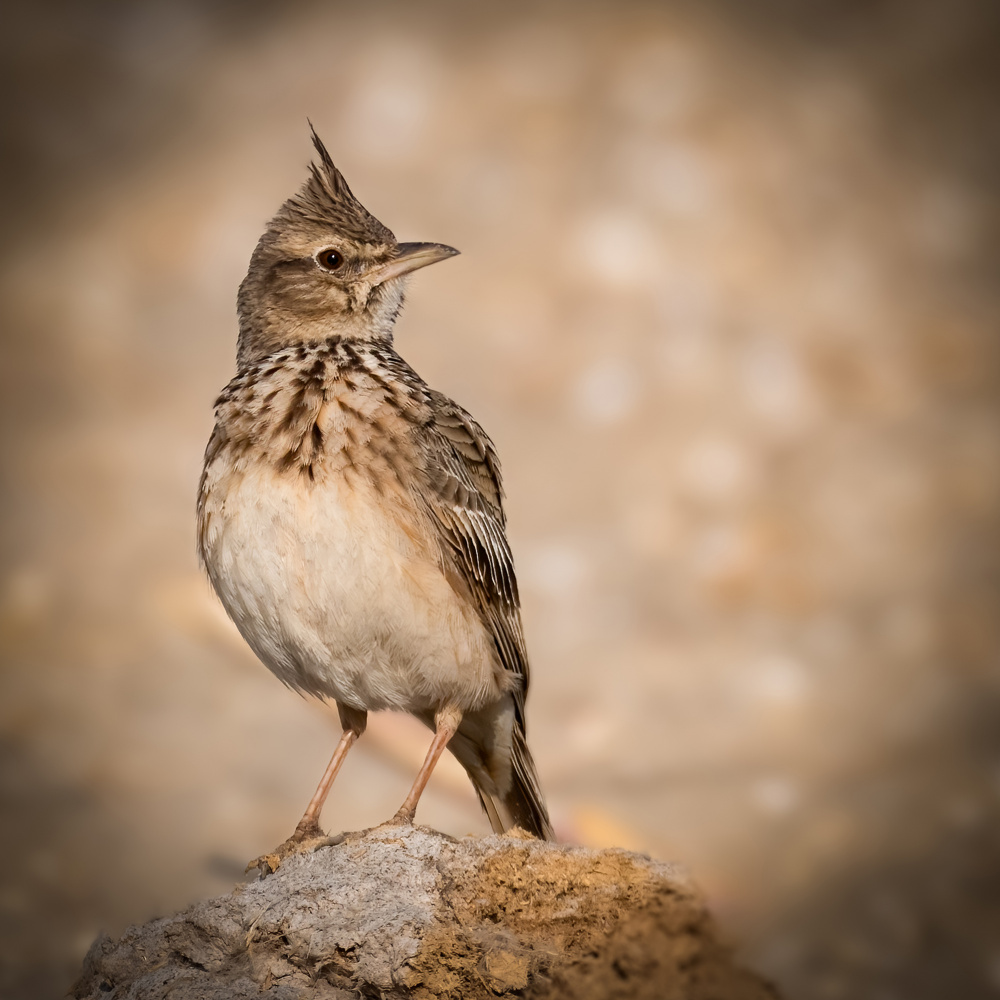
(466, 500)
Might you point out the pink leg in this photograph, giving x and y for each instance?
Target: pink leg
(354, 723)
(446, 723)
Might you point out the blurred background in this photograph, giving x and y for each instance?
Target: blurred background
(727, 303)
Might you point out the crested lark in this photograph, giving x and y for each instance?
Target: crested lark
(350, 517)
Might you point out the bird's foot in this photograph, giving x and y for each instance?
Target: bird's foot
(307, 837)
(404, 817)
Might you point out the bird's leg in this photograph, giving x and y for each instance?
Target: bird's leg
(354, 723)
(446, 723)
(308, 835)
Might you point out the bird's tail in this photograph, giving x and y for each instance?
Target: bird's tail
(518, 804)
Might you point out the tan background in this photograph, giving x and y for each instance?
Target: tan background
(727, 304)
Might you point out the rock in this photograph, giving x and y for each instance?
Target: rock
(410, 913)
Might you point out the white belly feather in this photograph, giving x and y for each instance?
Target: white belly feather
(337, 599)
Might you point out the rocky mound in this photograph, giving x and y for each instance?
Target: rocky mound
(407, 912)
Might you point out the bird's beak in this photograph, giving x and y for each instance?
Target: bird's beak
(411, 256)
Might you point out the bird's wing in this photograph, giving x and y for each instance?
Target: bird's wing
(465, 500)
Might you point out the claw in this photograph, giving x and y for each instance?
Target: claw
(303, 841)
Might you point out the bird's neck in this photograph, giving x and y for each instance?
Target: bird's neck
(270, 331)
(269, 323)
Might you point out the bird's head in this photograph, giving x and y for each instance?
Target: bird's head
(325, 266)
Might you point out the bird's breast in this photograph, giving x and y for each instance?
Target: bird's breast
(321, 555)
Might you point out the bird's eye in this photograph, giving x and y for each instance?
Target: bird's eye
(330, 259)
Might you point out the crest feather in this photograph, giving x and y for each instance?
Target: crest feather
(326, 199)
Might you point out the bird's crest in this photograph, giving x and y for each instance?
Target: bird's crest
(327, 200)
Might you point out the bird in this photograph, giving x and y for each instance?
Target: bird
(350, 518)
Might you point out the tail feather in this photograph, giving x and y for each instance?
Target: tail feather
(521, 803)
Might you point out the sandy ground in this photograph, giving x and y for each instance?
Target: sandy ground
(726, 304)
(409, 912)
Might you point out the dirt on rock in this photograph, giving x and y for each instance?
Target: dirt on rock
(408, 912)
